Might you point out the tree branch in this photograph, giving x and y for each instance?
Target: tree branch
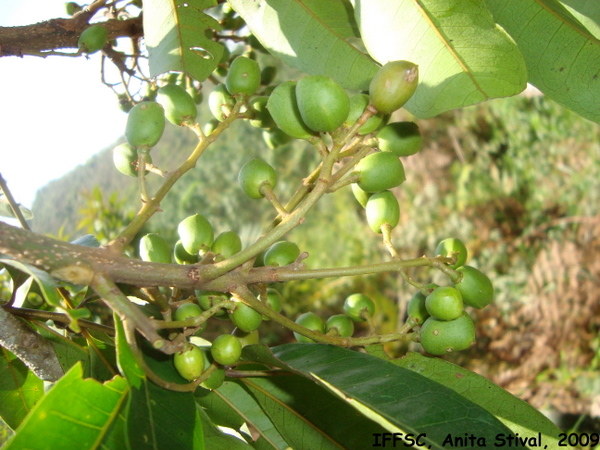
(42, 38)
(36, 352)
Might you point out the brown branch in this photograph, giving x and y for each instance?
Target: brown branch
(41, 38)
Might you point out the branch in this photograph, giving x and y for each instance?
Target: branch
(79, 264)
(36, 352)
(42, 38)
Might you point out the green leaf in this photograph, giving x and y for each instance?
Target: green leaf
(6, 210)
(231, 406)
(20, 389)
(562, 56)
(309, 416)
(586, 12)
(312, 35)
(215, 439)
(178, 36)
(156, 417)
(75, 413)
(68, 352)
(46, 283)
(518, 415)
(464, 57)
(396, 398)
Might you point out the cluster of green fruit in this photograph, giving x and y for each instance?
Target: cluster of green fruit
(357, 308)
(226, 349)
(444, 325)
(175, 102)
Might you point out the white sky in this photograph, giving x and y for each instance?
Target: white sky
(54, 113)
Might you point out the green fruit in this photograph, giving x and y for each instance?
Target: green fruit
(246, 318)
(283, 107)
(125, 158)
(72, 8)
(267, 75)
(358, 104)
(401, 138)
(453, 247)
(262, 117)
(339, 325)
(154, 248)
(226, 349)
(227, 244)
(382, 209)
(251, 338)
(190, 363)
(281, 254)
(445, 303)
(243, 76)
(393, 85)
(323, 104)
(255, 174)
(215, 380)
(125, 104)
(183, 257)
(358, 306)
(380, 171)
(187, 311)
(440, 337)
(361, 196)
(180, 108)
(273, 301)
(92, 39)
(196, 233)
(416, 310)
(311, 321)
(145, 124)
(220, 102)
(208, 299)
(210, 126)
(276, 138)
(476, 288)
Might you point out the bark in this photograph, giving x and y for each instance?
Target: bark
(41, 38)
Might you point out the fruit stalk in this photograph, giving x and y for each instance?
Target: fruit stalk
(153, 204)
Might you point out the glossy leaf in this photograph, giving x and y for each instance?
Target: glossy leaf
(312, 35)
(515, 413)
(396, 398)
(232, 405)
(215, 439)
(20, 389)
(464, 57)
(177, 36)
(75, 413)
(562, 56)
(156, 417)
(309, 416)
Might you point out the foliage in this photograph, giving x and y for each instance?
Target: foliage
(107, 319)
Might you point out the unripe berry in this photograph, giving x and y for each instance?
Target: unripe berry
(145, 124)
(382, 209)
(254, 175)
(393, 85)
(380, 171)
(92, 39)
(154, 248)
(243, 76)
(323, 104)
(358, 307)
(180, 108)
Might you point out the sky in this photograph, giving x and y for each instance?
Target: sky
(54, 112)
